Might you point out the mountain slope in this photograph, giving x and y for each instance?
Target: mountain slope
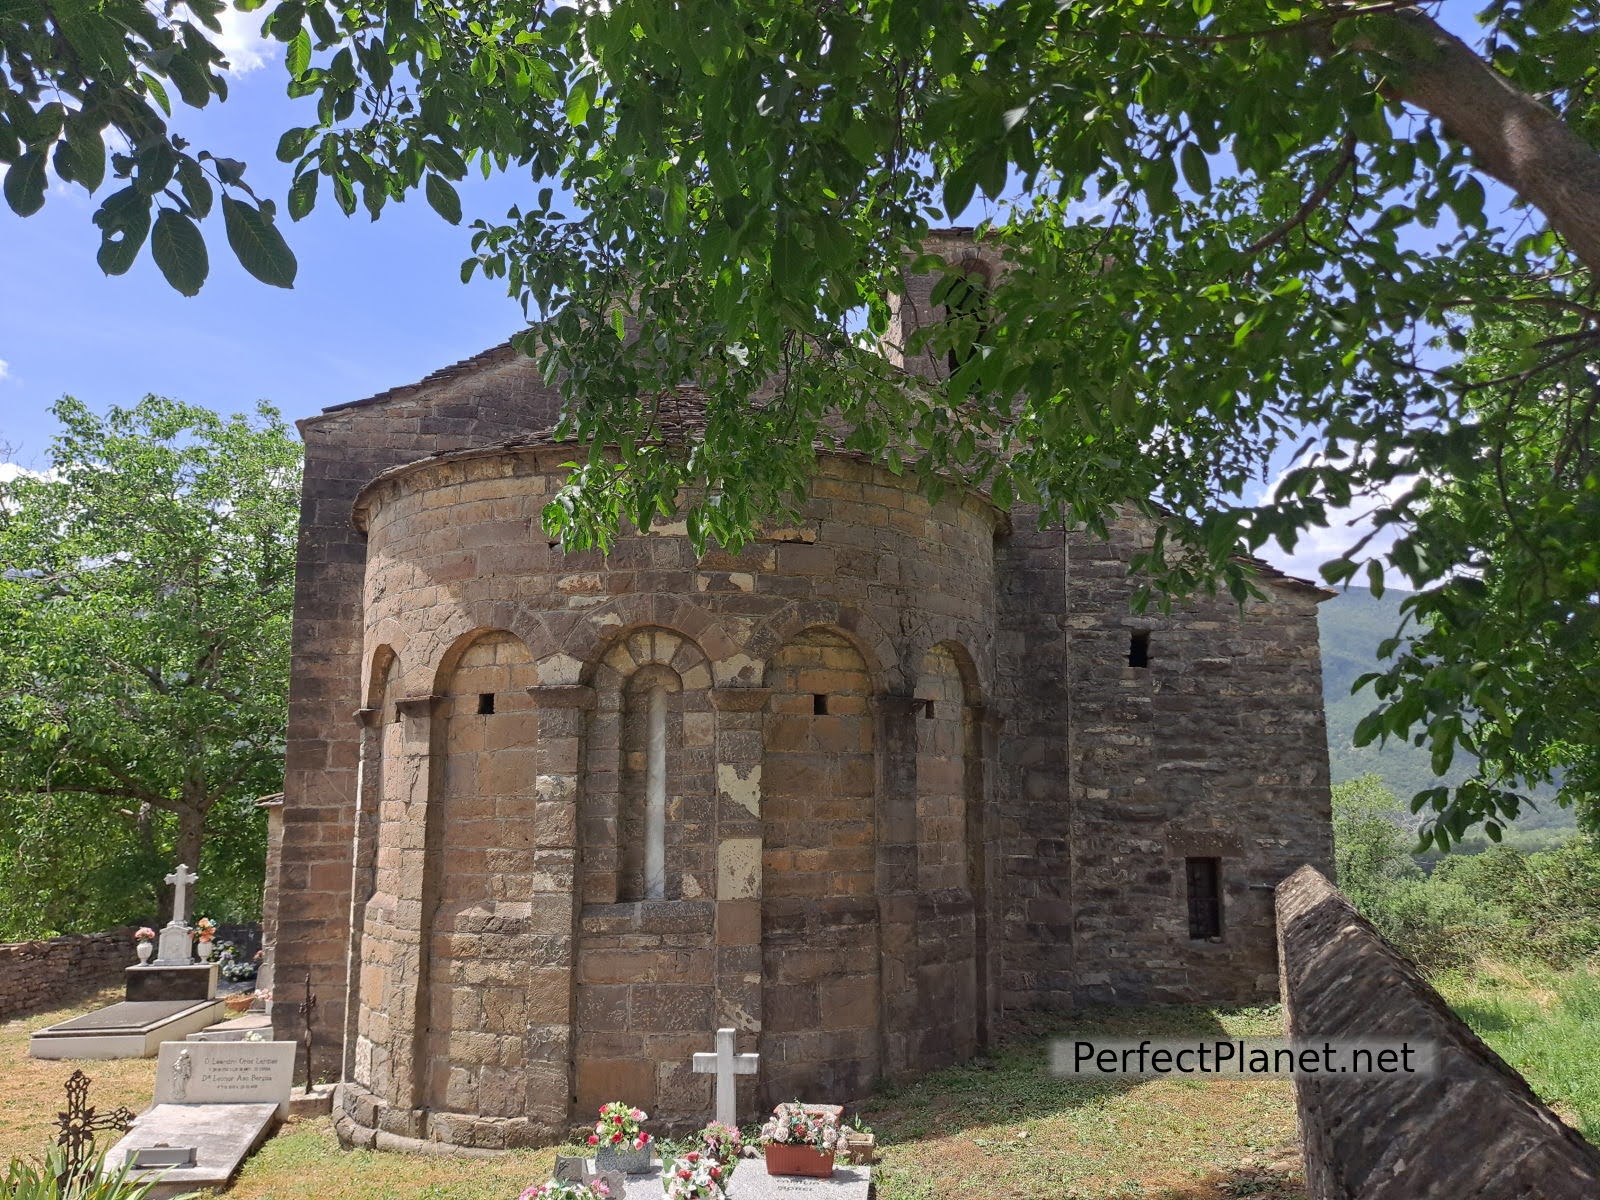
(1351, 626)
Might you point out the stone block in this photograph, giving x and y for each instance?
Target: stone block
(600, 1081)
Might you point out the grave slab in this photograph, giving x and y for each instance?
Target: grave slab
(129, 1029)
(212, 1074)
(751, 1182)
(222, 1135)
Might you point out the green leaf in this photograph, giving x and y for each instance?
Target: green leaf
(1196, 170)
(303, 195)
(297, 56)
(25, 183)
(180, 251)
(442, 196)
(80, 157)
(258, 244)
(196, 187)
(124, 221)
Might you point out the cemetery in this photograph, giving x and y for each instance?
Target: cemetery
(867, 627)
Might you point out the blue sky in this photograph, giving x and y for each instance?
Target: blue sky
(376, 303)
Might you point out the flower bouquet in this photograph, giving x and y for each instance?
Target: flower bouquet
(619, 1140)
(721, 1142)
(799, 1141)
(144, 942)
(695, 1176)
(561, 1189)
(205, 932)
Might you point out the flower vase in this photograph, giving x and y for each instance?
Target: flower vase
(144, 950)
(628, 1159)
(203, 951)
(787, 1159)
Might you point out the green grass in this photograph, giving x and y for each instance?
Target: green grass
(1547, 1026)
(999, 1127)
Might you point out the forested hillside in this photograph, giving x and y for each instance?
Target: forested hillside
(1352, 626)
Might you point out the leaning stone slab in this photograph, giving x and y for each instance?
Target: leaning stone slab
(751, 1182)
(1473, 1129)
(222, 1136)
(128, 1029)
(237, 1029)
(200, 1074)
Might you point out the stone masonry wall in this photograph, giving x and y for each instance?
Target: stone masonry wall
(44, 973)
(498, 395)
(873, 574)
(1473, 1129)
(1215, 749)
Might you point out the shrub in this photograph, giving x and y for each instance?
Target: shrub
(51, 1180)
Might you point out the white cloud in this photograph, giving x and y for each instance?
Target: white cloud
(10, 471)
(242, 43)
(1346, 527)
(5, 370)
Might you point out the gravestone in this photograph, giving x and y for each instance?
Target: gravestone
(174, 975)
(226, 1073)
(220, 1099)
(173, 948)
(725, 1064)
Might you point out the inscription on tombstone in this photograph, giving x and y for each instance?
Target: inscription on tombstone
(225, 1073)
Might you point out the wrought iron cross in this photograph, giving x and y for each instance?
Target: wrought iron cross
(305, 1009)
(81, 1122)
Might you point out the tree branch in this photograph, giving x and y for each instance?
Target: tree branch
(1512, 136)
(1347, 158)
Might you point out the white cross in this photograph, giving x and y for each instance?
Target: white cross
(180, 880)
(725, 1064)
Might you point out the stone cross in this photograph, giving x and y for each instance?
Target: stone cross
(725, 1064)
(180, 881)
(174, 946)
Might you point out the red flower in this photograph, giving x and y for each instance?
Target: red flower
(593, 1139)
(616, 1137)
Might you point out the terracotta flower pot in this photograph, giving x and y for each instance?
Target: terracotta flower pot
(784, 1159)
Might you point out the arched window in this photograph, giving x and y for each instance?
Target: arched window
(642, 812)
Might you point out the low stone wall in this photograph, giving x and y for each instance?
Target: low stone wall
(1473, 1129)
(35, 975)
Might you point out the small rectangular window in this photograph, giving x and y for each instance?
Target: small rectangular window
(485, 703)
(819, 705)
(1205, 897)
(1139, 650)
(927, 710)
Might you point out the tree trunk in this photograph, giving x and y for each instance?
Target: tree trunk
(191, 835)
(1513, 137)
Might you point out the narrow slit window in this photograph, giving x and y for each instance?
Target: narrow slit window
(1205, 897)
(927, 710)
(485, 703)
(819, 705)
(655, 810)
(1139, 650)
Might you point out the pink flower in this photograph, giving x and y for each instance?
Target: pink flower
(616, 1137)
(593, 1139)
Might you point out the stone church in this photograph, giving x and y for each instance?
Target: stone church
(894, 768)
